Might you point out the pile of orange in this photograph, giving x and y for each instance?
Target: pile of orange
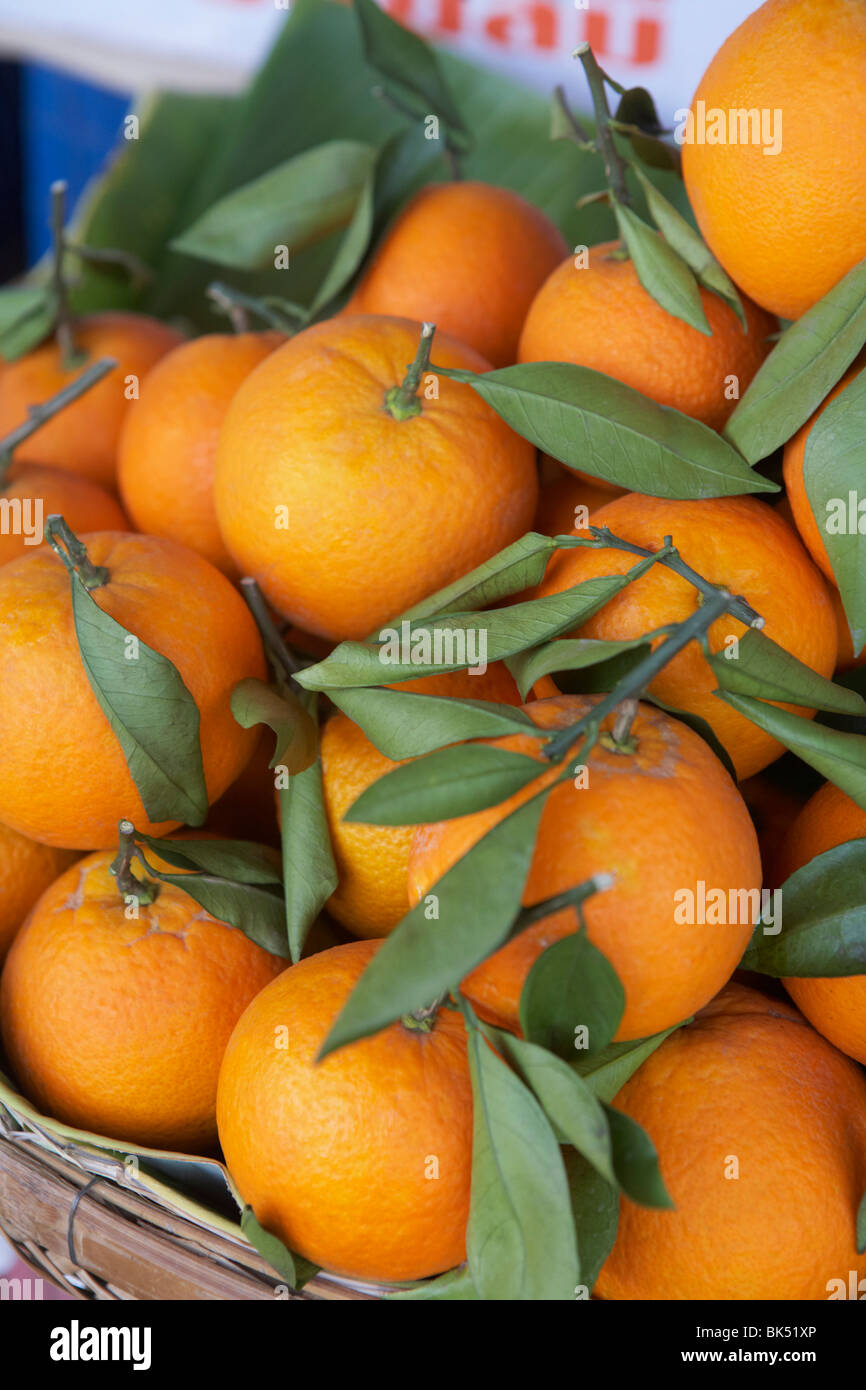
(351, 476)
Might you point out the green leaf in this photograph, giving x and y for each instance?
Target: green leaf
(663, 274)
(425, 957)
(412, 65)
(237, 859)
(597, 424)
(807, 361)
(689, 244)
(635, 1161)
(27, 314)
(405, 724)
(841, 757)
(606, 1072)
(309, 871)
(453, 782)
(292, 1268)
(507, 631)
(571, 987)
(569, 1104)
(254, 702)
(833, 477)
(151, 712)
(256, 910)
(519, 566)
(298, 202)
(520, 1238)
(636, 107)
(454, 1286)
(595, 1212)
(565, 654)
(823, 931)
(352, 248)
(764, 669)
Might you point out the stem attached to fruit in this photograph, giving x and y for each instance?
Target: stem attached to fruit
(402, 401)
(38, 415)
(279, 652)
(143, 890)
(423, 1020)
(615, 166)
(70, 550)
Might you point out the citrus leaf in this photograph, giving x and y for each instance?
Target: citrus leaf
(405, 724)
(824, 923)
(565, 654)
(352, 248)
(309, 871)
(254, 702)
(569, 1104)
(689, 244)
(571, 987)
(592, 422)
(454, 1286)
(298, 202)
(412, 65)
(427, 956)
(606, 1072)
(764, 669)
(635, 1161)
(256, 910)
(441, 786)
(807, 361)
(520, 1238)
(595, 1212)
(27, 314)
(662, 272)
(150, 710)
(241, 860)
(292, 1268)
(636, 107)
(505, 630)
(519, 566)
(841, 757)
(833, 477)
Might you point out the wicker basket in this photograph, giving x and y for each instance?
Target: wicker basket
(103, 1225)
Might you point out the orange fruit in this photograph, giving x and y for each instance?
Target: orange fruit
(560, 497)
(85, 506)
(346, 515)
(808, 525)
(26, 870)
(167, 450)
(63, 776)
(834, 1004)
(736, 542)
(602, 317)
(83, 437)
(760, 1128)
(360, 1162)
(468, 256)
(118, 1025)
(660, 819)
(757, 210)
(373, 860)
(772, 807)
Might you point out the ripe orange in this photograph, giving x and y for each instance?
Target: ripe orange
(660, 819)
(84, 505)
(373, 860)
(760, 1127)
(809, 526)
(835, 1005)
(83, 437)
(736, 542)
(560, 497)
(602, 317)
(63, 776)
(167, 448)
(468, 256)
(117, 1024)
(786, 225)
(361, 1162)
(26, 870)
(346, 515)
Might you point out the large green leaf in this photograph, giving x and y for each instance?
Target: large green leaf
(759, 666)
(405, 724)
(607, 1072)
(823, 930)
(309, 871)
(595, 1211)
(253, 702)
(598, 424)
(662, 272)
(519, 566)
(441, 786)
(571, 992)
(408, 61)
(635, 1161)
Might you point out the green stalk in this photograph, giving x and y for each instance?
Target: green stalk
(402, 401)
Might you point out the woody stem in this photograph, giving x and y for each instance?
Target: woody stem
(37, 415)
(65, 329)
(70, 550)
(144, 890)
(614, 164)
(402, 401)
